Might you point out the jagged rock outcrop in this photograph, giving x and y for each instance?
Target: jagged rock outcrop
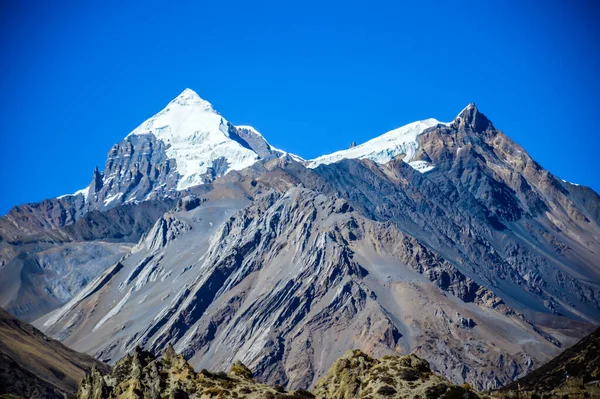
(358, 376)
(165, 230)
(354, 376)
(142, 375)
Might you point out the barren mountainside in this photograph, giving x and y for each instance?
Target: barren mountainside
(34, 366)
(446, 240)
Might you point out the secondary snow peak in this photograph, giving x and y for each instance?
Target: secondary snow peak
(386, 147)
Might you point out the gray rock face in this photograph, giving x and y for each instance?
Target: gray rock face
(136, 169)
(256, 142)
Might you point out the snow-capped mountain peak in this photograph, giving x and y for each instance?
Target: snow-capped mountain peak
(386, 147)
(196, 136)
(187, 143)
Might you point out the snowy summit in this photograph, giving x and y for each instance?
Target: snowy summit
(196, 135)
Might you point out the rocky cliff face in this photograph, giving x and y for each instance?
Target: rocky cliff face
(288, 283)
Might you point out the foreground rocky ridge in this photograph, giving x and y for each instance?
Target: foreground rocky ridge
(354, 376)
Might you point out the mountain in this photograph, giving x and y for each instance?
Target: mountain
(574, 373)
(188, 143)
(443, 239)
(482, 262)
(355, 375)
(35, 366)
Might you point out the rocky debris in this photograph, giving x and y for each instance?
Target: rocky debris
(142, 375)
(35, 366)
(465, 322)
(358, 376)
(575, 373)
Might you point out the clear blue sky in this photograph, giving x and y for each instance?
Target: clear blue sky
(76, 77)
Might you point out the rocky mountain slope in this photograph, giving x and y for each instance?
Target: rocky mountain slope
(574, 373)
(355, 375)
(443, 239)
(40, 272)
(35, 366)
(287, 285)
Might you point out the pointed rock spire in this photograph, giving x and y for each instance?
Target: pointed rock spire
(97, 180)
(471, 117)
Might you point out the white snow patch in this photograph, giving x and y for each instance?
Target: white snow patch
(248, 127)
(568, 182)
(83, 191)
(421, 166)
(386, 147)
(111, 198)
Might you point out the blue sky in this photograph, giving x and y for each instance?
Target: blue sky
(76, 77)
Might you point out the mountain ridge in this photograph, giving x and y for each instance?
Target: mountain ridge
(485, 263)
